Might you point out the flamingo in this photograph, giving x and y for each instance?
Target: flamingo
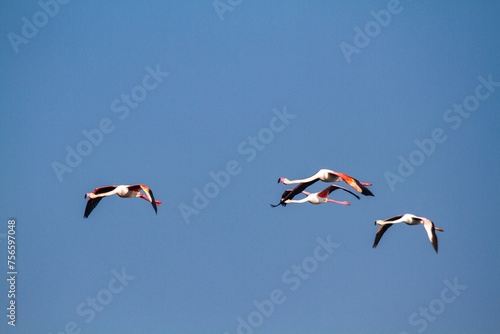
(315, 198)
(327, 175)
(410, 220)
(124, 191)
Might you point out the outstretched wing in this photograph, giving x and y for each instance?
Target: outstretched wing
(334, 187)
(291, 193)
(150, 196)
(92, 202)
(102, 190)
(431, 233)
(355, 184)
(380, 232)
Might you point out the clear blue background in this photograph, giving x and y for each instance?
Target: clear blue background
(225, 78)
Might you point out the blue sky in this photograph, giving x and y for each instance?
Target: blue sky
(174, 95)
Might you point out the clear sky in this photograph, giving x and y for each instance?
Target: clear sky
(208, 103)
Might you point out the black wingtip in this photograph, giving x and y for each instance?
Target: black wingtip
(367, 192)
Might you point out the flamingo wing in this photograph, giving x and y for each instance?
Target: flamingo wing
(149, 194)
(92, 202)
(380, 232)
(102, 190)
(291, 193)
(431, 233)
(334, 187)
(355, 184)
(153, 201)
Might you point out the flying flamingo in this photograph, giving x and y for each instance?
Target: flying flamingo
(315, 198)
(123, 191)
(327, 175)
(410, 220)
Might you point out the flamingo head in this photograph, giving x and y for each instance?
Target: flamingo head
(89, 195)
(283, 180)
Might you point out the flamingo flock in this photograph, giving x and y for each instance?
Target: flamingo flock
(320, 197)
(324, 175)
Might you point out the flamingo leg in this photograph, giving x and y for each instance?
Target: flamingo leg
(147, 199)
(144, 197)
(333, 201)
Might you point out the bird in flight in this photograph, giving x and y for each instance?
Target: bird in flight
(410, 220)
(327, 175)
(123, 191)
(314, 198)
